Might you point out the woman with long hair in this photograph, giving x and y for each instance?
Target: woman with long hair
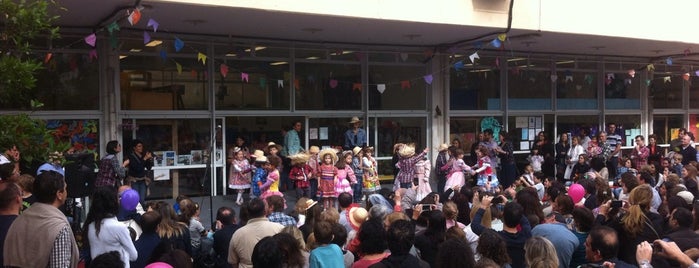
(492, 246)
(111, 171)
(170, 229)
(507, 160)
(189, 215)
(689, 176)
(428, 242)
(292, 254)
(638, 224)
(104, 232)
(540, 253)
(562, 148)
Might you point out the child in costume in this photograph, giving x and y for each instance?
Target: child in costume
(456, 168)
(486, 179)
(327, 173)
(239, 178)
(313, 162)
(345, 174)
(422, 173)
(301, 173)
(259, 177)
(271, 187)
(371, 178)
(406, 164)
(358, 173)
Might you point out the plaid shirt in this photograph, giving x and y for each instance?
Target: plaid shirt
(282, 219)
(62, 246)
(407, 167)
(639, 157)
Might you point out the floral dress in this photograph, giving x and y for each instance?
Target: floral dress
(326, 186)
(240, 174)
(370, 176)
(485, 171)
(422, 173)
(345, 177)
(456, 174)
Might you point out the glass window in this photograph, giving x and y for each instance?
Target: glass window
(622, 91)
(665, 125)
(576, 90)
(628, 126)
(405, 57)
(665, 87)
(70, 81)
(324, 86)
(525, 128)
(181, 152)
(529, 85)
(474, 89)
(405, 87)
(392, 130)
(465, 131)
(335, 129)
(265, 87)
(693, 85)
(149, 83)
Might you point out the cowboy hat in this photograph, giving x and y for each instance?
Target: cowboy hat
(314, 149)
(358, 215)
(406, 151)
(355, 120)
(356, 150)
(261, 159)
(443, 147)
(310, 203)
(300, 158)
(258, 153)
(332, 152)
(272, 144)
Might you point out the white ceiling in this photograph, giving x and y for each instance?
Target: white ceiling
(263, 24)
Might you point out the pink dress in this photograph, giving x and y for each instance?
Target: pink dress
(345, 177)
(326, 185)
(456, 174)
(422, 173)
(239, 177)
(272, 185)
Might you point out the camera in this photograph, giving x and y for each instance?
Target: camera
(656, 247)
(617, 203)
(426, 207)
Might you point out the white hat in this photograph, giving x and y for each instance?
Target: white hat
(356, 150)
(687, 196)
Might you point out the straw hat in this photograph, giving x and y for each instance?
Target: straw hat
(261, 159)
(397, 146)
(406, 151)
(314, 149)
(300, 158)
(258, 153)
(355, 120)
(329, 151)
(443, 147)
(310, 203)
(272, 144)
(356, 150)
(358, 215)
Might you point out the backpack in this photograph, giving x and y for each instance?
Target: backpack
(107, 176)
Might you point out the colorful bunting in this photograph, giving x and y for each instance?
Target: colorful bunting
(668, 61)
(357, 86)
(244, 77)
(134, 17)
(495, 43)
(569, 78)
(280, 83)
(459, 65)
(650, 67)
(381, 88)
(647, 82)
(428, 79)
(201, 57)
(632, 73)
(473, 57)
(91, 39)
(404, 84)
(112, 27)
(697, 73)
(154, 24)
(667, 79)
(333, 83)
(502, 37)
(179, 67)
(588, 79)
(179, 44)
(146, 37)
(224, 70)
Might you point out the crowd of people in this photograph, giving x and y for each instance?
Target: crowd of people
(582, 202)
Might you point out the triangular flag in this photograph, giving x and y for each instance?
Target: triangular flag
(404, 84)
(473, 57)
(179, 44)
(333, 83)
(154, 24)
(357, 86)
(179, 67)
(146, 37)
(647, 82)
(502, 37)
(280, 83)
(668, 60)
(134, 17)
(650, 67)
(297, 84)
(588, 79)
(381, 88)
(428, 79)
(404, 56)
(495, 43)
(697, 72)
(610, 76)
(48, 56)
(667, 79)
(244, 77)
(632, 73)
(91, 39)
(554, 78)
(459, 65)
(224, 70)
(112, 27)
(93, 54)
(163, 54)
(263, 82)
(569, 78)
(201, 57)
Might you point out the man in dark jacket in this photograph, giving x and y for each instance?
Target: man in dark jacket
(602, 245)
(681, 233)
(222, 237)
(400, 238)
(149, 239)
